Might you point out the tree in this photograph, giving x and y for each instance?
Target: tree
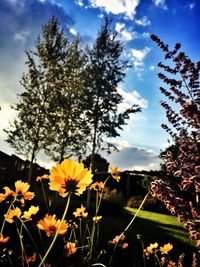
(105, 71)
(182, 92)
(100, 164)
(63, 63)
(27, 132)
(49, 114)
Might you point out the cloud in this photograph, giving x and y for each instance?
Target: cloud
(146, 34)
(126, 7)
(21, 36)
(130, 99)
(21, 23)
(79, 2)
(73, 31)
(160, 3)
(134, 158)
(138, 56)
(143, 21)
(119, 26)
(125, 34)
(151, 68)
(192, 5)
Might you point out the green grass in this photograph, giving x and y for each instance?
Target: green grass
(153, 227)
(163, 223)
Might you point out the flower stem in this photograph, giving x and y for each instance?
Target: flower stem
(56, 234)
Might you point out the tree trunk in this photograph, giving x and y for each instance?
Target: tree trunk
(30, 172)
(92, 162)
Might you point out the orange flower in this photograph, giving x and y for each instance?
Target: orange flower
(21, 189)
(4, 239)
(31, 258)
(69, 177)
(115, 172)
(166, 248)
(32, 211)
(97, 186)
(96, 218)
(70, 248)
(124, 245)
(117, 239)
(50, 225)
(8, 193)
(9, 217)
(151, 249)
(80, 212)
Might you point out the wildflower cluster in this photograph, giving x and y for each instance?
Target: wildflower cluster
(77, 232)
(159, 256)
(182, 91)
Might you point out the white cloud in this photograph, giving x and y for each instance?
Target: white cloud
(139, 55)
(146, 34)
(192, 5)
(131, 98)
(126, 7)
(73, 31)
(119, 26)
(134, 158)
(160, 3)
(143, 21)
(101, 16)
(79, 2)
(21, 36)
(125, 34)
(151, 68)
(121, 144)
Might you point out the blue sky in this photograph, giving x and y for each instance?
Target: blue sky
(135, 20)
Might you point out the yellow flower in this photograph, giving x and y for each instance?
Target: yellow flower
(69, 177)
(21, 189)
(97, 186)
(115, 172)
(80, 212)
(166, 248)
(12, 214)
(70, 248)
(50, 225)
(32, 211)
(4, 239)
(97, 218)
(43, 177)
(8, 193)
(151, 249)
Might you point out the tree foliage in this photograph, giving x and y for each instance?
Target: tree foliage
(183, 112)
(100, 164)
(70, 99)
(105, 71)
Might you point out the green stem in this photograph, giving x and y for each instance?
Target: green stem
(22, 245)
(44, 195)
(4, 221)
(157, 259)
(34, 244)
(127, 227)
(56, 234)
(80, 231)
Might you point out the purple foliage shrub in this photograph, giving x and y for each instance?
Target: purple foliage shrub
(182, 106)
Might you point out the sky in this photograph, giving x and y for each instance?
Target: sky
(173, 21)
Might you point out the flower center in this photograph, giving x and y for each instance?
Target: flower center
(71, 185)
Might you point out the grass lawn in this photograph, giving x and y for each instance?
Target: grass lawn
(153, 227)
